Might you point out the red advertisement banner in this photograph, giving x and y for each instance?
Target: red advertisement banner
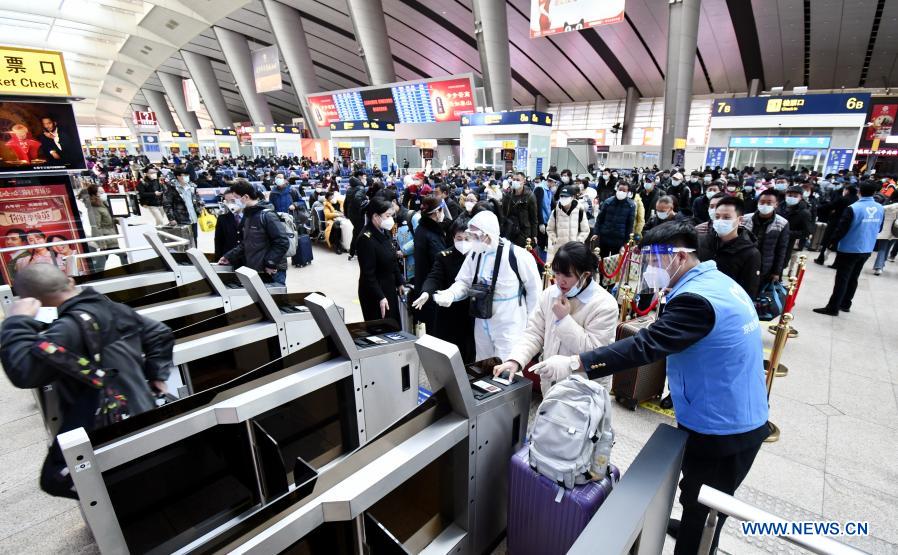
(324, 110)
(449, 99)
(882, 118)
(32, 215)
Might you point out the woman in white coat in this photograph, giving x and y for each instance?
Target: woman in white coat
(572, 315)
(515, 294)
(567, 221)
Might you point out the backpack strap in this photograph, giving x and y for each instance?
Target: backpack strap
(513, 261)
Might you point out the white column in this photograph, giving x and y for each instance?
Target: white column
(374, 44)
(237, 54)
(163, 115)
(200, 68)
(682, 39)
(491, 29)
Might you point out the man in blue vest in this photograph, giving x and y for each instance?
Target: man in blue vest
(854, 240)
(710, 334)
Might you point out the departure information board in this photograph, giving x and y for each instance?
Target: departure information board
(430, 101)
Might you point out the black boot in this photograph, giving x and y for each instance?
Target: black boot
(673, 528)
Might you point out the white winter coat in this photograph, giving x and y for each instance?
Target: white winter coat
(591, 324)
(890, 212)
(564, 227)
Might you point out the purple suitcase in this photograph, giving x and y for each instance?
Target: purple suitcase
(536, 523)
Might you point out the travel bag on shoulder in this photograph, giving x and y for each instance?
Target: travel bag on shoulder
(290, 227)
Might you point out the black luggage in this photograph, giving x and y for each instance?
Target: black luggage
(303, 255)
(633, 386)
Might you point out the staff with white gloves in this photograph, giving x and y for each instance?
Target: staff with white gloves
(500, 310)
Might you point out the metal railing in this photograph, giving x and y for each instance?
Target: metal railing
(720, 502)
(71, 260)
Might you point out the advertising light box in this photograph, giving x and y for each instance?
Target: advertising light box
(38, 136)
(779, 142)
(427, 101)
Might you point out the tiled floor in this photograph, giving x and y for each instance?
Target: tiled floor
(837, 410)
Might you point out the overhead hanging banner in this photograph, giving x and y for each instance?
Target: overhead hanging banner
(550, 17)
(267, 69)
(145, 119)
(191, 95)
(26, 71)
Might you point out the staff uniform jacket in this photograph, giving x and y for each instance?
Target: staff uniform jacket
(453, 323)
(591, 324)
(265, 241)
(710, 334)
(146, 192)
(379, 275)
(227, 232)
(566, 225)
(859, 227)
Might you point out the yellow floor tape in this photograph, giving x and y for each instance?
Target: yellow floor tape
(655, 407)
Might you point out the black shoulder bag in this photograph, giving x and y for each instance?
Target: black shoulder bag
(482, 294)
(112, 405)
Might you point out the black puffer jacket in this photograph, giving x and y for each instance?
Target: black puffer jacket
(740, 258)
(146, 192)
(265, 241)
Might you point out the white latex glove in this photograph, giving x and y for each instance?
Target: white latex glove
(443, 298)
(555, 368)
(542, 228)
(421, 300)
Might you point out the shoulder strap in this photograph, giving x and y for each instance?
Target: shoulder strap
(497, 264)
(85, 369)
(513, 261)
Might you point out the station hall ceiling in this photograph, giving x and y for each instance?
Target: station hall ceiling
(114, 47)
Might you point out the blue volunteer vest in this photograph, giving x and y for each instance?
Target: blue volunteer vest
(865, 225)
(717, 385)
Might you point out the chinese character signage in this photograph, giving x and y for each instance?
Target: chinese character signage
(803, 104)
(779, 142)
(146, 119)
(838, 159)
(36, 211)
(429, 101)
(549, 17)
(362, 126)
(508, 118)
(267, 69)
(879, 126)
(38, 136)
(715, 157)
(28, 72)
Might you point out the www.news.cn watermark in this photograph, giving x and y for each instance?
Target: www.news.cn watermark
(805, 528)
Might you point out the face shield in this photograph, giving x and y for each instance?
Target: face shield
(658, 263)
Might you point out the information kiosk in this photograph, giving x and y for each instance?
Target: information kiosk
(507, 141)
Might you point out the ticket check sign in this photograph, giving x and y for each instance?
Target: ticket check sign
(27, 72)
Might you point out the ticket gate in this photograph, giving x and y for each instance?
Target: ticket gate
(186, 472)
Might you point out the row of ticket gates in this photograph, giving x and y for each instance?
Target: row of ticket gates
(290, 431)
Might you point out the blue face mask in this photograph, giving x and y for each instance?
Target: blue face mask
(576, 290)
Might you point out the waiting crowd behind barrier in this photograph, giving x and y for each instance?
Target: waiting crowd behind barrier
(529, 268)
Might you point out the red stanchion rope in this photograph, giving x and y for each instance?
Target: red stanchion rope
(650, 308)
(790, 301)
(620, 264)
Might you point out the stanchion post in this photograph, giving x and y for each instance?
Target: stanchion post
(788, 304)
(782, 335)
(626, 297)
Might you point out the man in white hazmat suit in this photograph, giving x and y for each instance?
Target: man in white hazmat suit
(514, 297)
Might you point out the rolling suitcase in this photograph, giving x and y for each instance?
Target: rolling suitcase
(541, 523)
(303, 255)
(817, 236)
(633, 386)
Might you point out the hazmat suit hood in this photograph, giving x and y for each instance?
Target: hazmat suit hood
(487, 222)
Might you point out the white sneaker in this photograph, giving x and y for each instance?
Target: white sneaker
(877, 272)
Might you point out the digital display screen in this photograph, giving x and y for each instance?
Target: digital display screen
(410, 102)
(780, 142)
(36, 136)
(427, 153)
(345, 152)
(508, 155)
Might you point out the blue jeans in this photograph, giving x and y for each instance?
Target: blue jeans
(882, 251)
(280, 277)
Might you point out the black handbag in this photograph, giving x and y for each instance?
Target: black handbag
(480, 293)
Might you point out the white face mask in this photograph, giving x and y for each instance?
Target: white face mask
(710, 194)
(712, 213)
(463, 247)
(565, 201)
(649, 186)
(792, 201)
(565, 179)
(765, 209)
(278, 181)
(675, 182)
(662, 215)
(655, 278)
(620, 195)
(386, 224)
(707, 179)
(724, 227)
(469, 206)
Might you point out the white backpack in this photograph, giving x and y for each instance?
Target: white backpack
(571, 436)
(290, 228)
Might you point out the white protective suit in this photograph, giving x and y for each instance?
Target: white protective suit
(511, 309)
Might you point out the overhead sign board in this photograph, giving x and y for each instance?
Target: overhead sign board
(25, 71)
(527, 117)
(362, 126)
(550, 17)
(229, 132)
(787, 105)
(426, 101)
(780, 142)
(147, 119)
(181, 134)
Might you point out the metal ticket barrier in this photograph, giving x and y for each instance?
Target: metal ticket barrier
(433, 482)
(189, 471)
(137, 279)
